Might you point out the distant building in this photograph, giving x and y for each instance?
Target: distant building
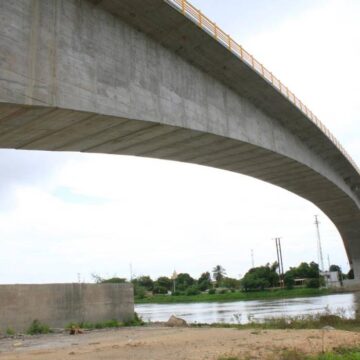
(332, 278)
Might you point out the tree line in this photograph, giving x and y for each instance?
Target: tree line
(257, 278)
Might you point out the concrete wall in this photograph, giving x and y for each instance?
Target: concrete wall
(58, 304)
(351, 285)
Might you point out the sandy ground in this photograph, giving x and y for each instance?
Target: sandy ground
(163, 343)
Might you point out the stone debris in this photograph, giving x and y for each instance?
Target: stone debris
(176, 321)
(328, 328)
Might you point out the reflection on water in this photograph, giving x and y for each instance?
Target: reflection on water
(246, 311)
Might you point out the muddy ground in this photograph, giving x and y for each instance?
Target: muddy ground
(164, 343)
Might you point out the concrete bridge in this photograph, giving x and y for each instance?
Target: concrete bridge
(157, 79)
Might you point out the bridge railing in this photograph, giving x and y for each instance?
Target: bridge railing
(211, 28)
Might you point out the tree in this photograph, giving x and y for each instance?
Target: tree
(261, 277)
(289, 280)
(335, 268)
(145, 282)
(184, 281)
(163, 282)
(308, 271)
(114, 280)
(230, 283)
(204, 281)
(218, 273)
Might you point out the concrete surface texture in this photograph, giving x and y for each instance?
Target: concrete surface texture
(59, 304)
(137, 77)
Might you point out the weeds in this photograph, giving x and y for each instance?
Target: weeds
(337, 320)
(37, 327)
(10, 332)
(341, 353)
(135, 321)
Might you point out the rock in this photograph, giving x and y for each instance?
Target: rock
(328, 328)
(175, 321)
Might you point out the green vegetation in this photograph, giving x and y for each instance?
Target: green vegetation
(37, 327)
(260, 278)
(262, 282)
(10, 332)
(136, 321)
(213, 296)
(320, 320)
(292, 354)
(114, 280)
(310, 272)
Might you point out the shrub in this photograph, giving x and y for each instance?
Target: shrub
(192, 290)
(160, 289)
(37, 327)
(212, 291)
(313, 283)
(136, 321)
(177, 293)
(10, 332)
(289, 280)
(139, 292)
(223, 291)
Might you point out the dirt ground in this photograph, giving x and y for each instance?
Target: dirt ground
(163, 343)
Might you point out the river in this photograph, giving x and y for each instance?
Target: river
(246, 311)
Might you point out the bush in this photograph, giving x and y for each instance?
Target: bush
(313, 283)
(192, 290)
(212, 291)
(160, 289)
(37, 327)
(10, 332)
(177, 293)
(139, 292)
(136, 321)
(223, 291)
(289, 280)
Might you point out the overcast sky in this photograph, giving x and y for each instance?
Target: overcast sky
(64, 214)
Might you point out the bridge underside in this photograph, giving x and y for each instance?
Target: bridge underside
(46, 128)
(137, 77)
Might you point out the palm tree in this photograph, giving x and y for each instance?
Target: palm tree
(218, 273)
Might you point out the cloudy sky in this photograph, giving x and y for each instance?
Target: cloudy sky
(65, 214)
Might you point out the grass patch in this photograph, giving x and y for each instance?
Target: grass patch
(37, 327)
(233, 296)
(338, 320)
(337, 354)
(135, 321)
(10, 332)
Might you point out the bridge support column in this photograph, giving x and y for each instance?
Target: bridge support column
(356, 268)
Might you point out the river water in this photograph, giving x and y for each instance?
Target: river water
(245, 311)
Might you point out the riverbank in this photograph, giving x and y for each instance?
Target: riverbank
(233, 296)
(163, 343)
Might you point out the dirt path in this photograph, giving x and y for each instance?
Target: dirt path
(162, 343)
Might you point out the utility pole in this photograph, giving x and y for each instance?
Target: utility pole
(320, 254)
(131, 272)
(252, 258)
(280, 260)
